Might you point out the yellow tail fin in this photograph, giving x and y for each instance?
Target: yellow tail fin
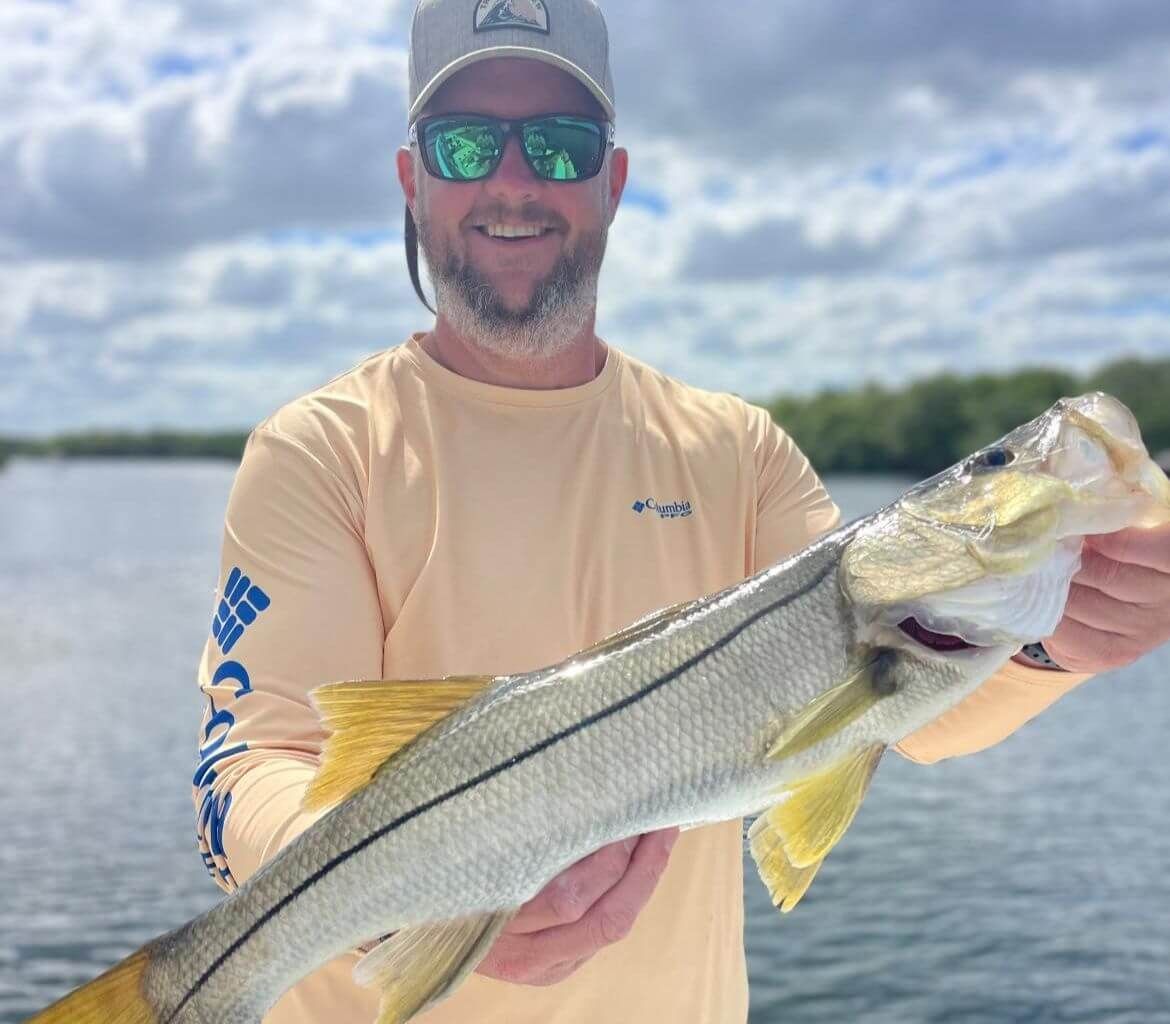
(111, 998)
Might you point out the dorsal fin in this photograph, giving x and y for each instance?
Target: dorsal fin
(637, 629)
(371, 720)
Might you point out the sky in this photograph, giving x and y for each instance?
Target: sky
(200, 217)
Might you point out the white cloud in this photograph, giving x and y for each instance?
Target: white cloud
(192, 343)
(299, 138)
(837, 79)
(199, 214)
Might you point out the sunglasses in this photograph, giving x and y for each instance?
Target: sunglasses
(469, 147)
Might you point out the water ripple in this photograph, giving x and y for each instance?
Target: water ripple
(1025, 884)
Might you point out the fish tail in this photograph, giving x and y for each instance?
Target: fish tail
(115, 997)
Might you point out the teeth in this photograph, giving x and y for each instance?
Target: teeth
(504, 231)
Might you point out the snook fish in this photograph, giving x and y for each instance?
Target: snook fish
(458, 799)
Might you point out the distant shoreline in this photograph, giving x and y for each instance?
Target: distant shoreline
(917, 430)
(124, 444)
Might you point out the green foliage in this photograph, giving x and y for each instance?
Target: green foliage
(925, 427)
(1145, 388)
(852, 429)
(934, 422)
(157, 443)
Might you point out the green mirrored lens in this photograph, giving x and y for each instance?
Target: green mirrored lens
(461, 151)
(563, 148)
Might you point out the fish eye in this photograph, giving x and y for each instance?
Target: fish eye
(994, 458)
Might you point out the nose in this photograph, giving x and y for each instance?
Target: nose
(513, 179)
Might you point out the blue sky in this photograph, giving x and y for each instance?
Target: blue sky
(199, 217)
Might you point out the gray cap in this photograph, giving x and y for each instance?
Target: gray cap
(448, 35)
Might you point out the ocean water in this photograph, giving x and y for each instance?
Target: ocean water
(1027, 883)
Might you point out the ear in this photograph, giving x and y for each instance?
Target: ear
(619, 169)
(404, 160)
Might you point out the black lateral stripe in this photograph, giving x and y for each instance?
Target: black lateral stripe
(484, 776)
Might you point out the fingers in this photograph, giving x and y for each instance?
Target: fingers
(1079, 647)
(551, 954)
(1150, 548)
(1118, 604)
(610, 919)
(571, 893)
(1108, 614)
(560, 972)
(520, 960)
(1137, 584)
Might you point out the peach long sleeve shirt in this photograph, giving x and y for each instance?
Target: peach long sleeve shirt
(403, 522)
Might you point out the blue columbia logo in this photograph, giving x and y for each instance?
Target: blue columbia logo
(242, 602)
(672, 510)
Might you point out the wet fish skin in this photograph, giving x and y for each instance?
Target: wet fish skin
(584, 781)
(777, 695)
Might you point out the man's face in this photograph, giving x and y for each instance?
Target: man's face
(507, 277)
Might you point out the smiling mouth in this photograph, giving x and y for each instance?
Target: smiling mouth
(935, 641)
(518, 238)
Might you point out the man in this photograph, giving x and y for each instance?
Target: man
(506, 489)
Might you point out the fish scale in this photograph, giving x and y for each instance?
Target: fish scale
(703, 776)
(457, 800)
(522, 713)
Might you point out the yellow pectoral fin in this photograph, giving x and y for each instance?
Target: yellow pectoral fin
(418, 966)
(371, 720)
(790, 841)
(834, 709)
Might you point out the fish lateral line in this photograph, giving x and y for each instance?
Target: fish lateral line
(489, 773)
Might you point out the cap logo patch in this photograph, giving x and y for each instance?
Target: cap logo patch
(529, 14)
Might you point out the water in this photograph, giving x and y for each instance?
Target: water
(1025, 884)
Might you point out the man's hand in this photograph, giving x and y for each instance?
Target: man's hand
(1119, 604)
(587, 906)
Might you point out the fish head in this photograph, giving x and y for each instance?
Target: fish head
(982, 554)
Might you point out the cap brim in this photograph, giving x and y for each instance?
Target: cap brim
(527, 52)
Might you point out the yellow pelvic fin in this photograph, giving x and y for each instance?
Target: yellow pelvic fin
(370, 720)
(833, 710)
(418, 966)
(114, 997)
(790, 840)
(785, 884)
(820, 808)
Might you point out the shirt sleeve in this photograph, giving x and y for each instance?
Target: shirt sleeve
(297, 607)
(792, 506)
(1008, 700)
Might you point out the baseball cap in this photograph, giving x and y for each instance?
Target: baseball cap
(449, 35)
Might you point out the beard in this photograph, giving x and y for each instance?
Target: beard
(562, 303)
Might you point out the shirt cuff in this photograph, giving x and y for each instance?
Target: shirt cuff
(1013, 696)
(1045, 678)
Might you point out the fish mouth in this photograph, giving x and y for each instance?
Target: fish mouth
(941, 642)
